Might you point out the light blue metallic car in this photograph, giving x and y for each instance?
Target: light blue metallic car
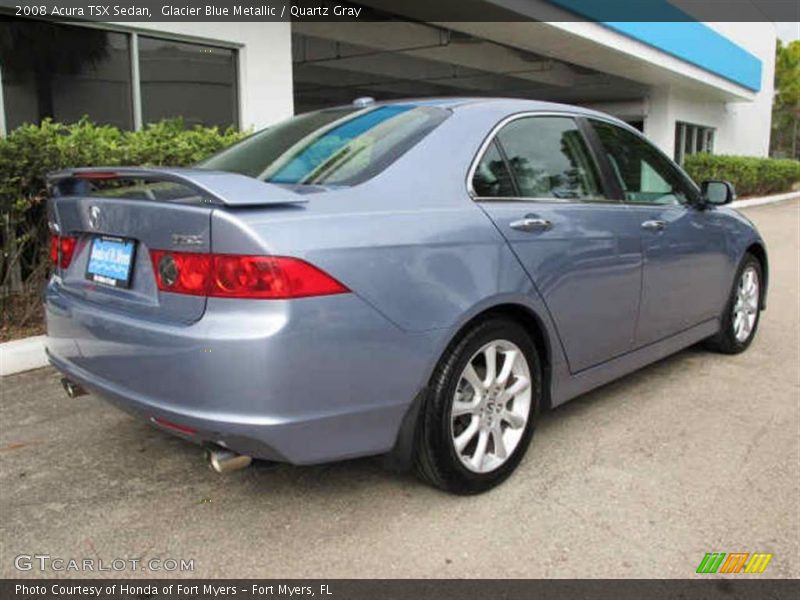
(417, 278)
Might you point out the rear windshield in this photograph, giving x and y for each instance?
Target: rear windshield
(342, 146)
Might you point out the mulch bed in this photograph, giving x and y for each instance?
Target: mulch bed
(22, 316)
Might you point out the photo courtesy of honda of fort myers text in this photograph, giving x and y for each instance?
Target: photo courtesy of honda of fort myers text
(210, 589)
(399, 299)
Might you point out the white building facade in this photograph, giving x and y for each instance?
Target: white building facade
(688, 86)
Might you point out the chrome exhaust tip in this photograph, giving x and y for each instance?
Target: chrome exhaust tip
(72, 389)
(225, 461)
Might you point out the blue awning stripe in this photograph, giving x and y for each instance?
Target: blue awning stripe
(667, 28)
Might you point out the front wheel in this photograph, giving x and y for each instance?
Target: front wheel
(478, 416)
(739, 322)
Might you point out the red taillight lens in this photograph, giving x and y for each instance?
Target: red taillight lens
(54, 250)
(276, 277)
(182, 272)
(247, 276)
(236, 276)
(61, 250)
(67, 250)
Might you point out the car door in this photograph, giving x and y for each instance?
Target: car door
(682, 244)
(539, 183)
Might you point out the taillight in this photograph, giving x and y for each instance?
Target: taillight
(237, 276)
(182, 272)
(269, 277)
(62, 247)
(54, 249)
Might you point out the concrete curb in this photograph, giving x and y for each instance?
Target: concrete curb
(28, 353)
(22, 355)
(766, 200)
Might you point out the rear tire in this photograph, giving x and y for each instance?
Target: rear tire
(739, 322)
(477, 420)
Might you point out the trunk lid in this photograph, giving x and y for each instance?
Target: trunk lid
(118, 215)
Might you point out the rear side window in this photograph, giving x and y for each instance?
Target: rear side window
(330, 147)
(547, 158)
(492, 178)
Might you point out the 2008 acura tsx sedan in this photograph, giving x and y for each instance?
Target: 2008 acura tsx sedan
(415, 278)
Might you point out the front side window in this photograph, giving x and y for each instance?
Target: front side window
(547, 157)
(343, 146)
(644, 174)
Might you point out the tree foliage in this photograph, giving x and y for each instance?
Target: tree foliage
(785, 141)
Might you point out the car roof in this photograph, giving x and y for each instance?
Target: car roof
(454, 102)
(496, 105)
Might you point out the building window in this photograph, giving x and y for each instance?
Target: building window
(692, 139)
(64, 73)
(193, 81)
(123, 79)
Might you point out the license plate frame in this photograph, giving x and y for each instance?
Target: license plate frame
(111, 270)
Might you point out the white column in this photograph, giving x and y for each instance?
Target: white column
(266, 93)
(659, 125)
(136, 82)
(2, 106)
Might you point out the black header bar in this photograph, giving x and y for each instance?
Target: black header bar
(420, 10)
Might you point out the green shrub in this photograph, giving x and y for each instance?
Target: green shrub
(751, 176)
(30, 151)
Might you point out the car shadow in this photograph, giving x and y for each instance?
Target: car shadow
(623, 386)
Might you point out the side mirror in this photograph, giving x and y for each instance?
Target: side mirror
(718, 193)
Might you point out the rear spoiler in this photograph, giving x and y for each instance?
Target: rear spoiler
(220, 187)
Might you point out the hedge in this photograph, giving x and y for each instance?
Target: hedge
(30, 151)
(751, 176)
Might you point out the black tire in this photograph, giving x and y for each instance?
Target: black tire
(436, 459)
(725, 341)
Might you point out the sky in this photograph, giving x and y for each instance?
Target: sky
(788, 32)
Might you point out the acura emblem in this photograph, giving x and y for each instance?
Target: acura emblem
(94, 217)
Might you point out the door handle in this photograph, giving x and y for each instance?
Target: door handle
(531, 224)
(654, 225)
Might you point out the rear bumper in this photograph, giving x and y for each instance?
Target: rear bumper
(305, 381)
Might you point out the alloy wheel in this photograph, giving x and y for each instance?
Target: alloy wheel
(745, 308)
(491, 406)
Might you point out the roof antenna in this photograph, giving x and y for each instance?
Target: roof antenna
(363, 101)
